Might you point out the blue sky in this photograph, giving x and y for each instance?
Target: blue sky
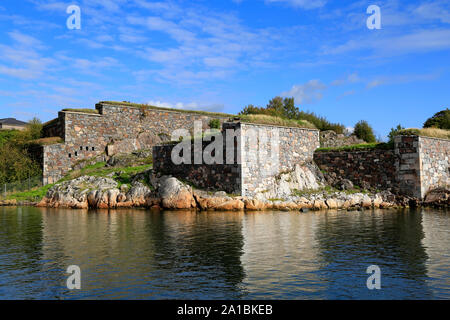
(223, 55)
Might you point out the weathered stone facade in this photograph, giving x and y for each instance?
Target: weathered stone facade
(415, 166)
(115, 129)
(260, 163)
(435, 161)
(217, 176)
(257, 161)
(376, 168)
(331, 139)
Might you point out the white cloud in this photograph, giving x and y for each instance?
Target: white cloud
(303, 4)
(401, 79)
(351, 78)
(308, 92)
(414, 42)
(188, 106)
(23, 59)
(434, 11)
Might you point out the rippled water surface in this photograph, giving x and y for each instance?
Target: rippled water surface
(137, 254)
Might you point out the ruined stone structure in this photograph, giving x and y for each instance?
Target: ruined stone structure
(331, 139)
(114, 128)
(415, 166)
(256, 161)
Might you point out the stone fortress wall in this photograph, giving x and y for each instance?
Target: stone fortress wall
(413, 167)
(253, 169)
(115, 129)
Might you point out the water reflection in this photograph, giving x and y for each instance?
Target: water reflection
(137, 254)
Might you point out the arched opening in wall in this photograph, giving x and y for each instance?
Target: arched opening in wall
(70, 155)
(93, 148)
(76, 154)
(81, 148)
(87, 148)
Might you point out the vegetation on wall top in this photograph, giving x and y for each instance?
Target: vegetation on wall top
(285, 108)
(143, 105)
(360, 147)
(426, 132)
(276, 121)
(81, 110)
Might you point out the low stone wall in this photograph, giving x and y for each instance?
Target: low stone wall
(373, 168)
(223, 177)
(415, 166)
(330, 139)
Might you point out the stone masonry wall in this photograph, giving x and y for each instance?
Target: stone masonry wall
(376, 168)
(331, 139)
(251, 171)
(415, 165)
(259, 169)
(116, 129)
(223, 177)
(408, 165)
(435, 158)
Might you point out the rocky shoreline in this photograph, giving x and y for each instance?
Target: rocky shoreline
(168, 193)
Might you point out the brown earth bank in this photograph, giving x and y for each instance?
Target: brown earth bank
(166, 192)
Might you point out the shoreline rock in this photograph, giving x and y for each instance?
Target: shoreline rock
(168, 193)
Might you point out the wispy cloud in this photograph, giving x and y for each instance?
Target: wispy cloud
(303, 4)
(309, 92)
(401, 79)
(217, 107)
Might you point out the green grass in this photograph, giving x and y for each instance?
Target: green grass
(96, 170)
(99, 170)
(276, 121)
(327, 189)
(47, 141)
(426, 132)
(81, 110)
(32, 195)
(141, 105)
(360, 147)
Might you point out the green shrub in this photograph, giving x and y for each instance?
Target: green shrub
(215, 124)
(16, 163)
(364, 131)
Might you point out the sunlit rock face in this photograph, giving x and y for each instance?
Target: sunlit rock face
(304, 177)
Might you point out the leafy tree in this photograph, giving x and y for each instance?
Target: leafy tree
(440, 120)
(364, 131)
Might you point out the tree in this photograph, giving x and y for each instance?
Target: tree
(394, 132)
(364, 131)
(440, 120)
